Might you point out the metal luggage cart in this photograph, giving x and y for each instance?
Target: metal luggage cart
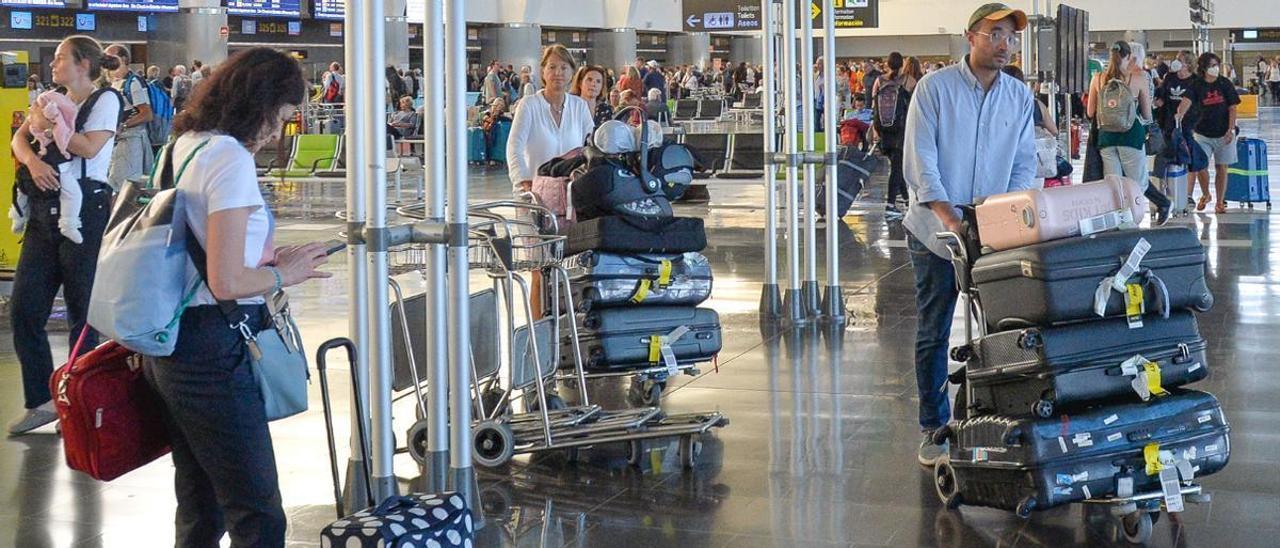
(1135, 513)
(504, 248)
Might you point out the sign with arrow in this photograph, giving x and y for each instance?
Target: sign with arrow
(738, 15)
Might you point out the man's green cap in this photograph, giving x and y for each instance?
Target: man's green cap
(996, 11)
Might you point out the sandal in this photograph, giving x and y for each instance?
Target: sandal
(1220, 208)
(1204, 201)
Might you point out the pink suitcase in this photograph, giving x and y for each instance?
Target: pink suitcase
(1016, 219)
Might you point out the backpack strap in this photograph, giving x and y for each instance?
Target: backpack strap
(82, 117)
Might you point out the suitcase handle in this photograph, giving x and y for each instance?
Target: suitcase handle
(322, 370)
(75, 350)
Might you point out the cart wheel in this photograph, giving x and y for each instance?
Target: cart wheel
(946, 484)
(690, 450)
(418, 441)
(1136, 527)
(494, 444)
(1043, 409)
(635, 452)
(652, 394)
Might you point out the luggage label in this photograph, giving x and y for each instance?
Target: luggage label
(646, 285)
(1145, 375)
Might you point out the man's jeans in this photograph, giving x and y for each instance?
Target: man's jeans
(936, 295)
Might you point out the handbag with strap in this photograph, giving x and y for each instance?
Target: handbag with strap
(275, 353)
(112, 421)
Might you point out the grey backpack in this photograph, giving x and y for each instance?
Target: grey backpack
(1117, 108)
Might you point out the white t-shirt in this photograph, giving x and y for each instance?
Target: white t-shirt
(105, 116)
(535, 138)
(222, 176)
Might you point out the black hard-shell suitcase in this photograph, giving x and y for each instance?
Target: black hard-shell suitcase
(1044, 370)
(1035, 464)
(621, 339)
(1054, 282)
(620, 234)
(601, 279)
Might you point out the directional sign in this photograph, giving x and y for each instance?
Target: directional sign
(705, 15)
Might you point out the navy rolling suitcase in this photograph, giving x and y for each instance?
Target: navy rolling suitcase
(601, 279)
(1247, 180)
(476, 151)
(1044, 371)
(626, 339)
(1056, 282)
(1024, 464)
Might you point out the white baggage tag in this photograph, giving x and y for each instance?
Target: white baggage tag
(1171, 489)
(1124, 487)
(1110, 220)
(1131, 265)
(669, 355)
(1101, 296)
(1133, 367)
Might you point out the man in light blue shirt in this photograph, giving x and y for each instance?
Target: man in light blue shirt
(968, 135)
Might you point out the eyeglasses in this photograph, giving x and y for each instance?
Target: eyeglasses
(1000, 37)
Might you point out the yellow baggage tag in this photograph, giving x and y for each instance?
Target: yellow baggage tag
(1151, 455)
(664, 273)
(1134, 305)
(642, 291)
(1152, 370)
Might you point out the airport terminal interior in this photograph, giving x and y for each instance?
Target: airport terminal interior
(796, 430)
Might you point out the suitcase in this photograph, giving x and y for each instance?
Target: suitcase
(1247, 180)
(476, 151)
(621, 339)
(1026, 217)
(1175, 187)
(1055, 282)
(1043, 371)
(620, 234)
(501, 133)
(1036, 464)
(426, 521)
(112, 421)
(601, 279)
(853, 170)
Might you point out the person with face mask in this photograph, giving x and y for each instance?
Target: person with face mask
(1124, 152)
(1178, 102)
(968, 136)
(1215, 129)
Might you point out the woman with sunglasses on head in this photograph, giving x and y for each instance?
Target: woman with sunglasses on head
(225, 469)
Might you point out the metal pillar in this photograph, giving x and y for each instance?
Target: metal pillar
(770, 297)
(793, 301)
(435, 469)
(809, 291)
(832, 298)
(357, 313)
(459, 313)
(370, 80)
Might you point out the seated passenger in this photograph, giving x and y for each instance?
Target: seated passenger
(657, 108)
(548, 123)
(404, 123)
(489, 122)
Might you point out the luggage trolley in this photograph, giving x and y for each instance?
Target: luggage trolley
(504, 248)
(1135, 513)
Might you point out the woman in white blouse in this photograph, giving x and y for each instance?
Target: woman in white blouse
(548, 124)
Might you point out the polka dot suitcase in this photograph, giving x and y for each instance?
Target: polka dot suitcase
(414, 521)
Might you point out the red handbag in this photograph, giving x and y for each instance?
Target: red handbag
(112, 421)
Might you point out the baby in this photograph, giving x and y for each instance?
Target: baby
(53, 114)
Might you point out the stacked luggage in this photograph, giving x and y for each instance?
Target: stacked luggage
(636, 270)
(1077, 391)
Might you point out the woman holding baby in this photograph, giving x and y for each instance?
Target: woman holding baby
(65, 161)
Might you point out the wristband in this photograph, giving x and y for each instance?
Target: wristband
(279, 279)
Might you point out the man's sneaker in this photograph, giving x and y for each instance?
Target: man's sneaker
(1162, 216)
(929, 452)
(33, 419)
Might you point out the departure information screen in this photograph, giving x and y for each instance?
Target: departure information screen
(34, 3)
(330, 9)
(265, 8)
(133, 5)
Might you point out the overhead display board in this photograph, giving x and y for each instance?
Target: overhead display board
(731, 15)
(33, 3)
(150, 6)
(416, 10)
(333, 10)
(265, 8)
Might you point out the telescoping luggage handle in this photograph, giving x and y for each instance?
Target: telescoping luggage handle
(322, 369)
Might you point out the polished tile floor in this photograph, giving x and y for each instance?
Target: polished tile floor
(820, 449)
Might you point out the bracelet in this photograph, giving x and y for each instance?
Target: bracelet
(279, 279)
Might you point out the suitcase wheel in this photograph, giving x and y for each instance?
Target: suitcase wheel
(647, 392)
(690, 450)
(1025, 507)
(1042, 409)
(962, 354)
(946, 484)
